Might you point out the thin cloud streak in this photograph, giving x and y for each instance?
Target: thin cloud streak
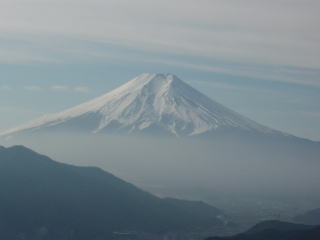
(56, 88)
(33, 88)
(81, 89)
(5, 87)
(59, 88)
(244, 37)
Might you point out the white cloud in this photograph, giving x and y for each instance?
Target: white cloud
(33, 88)
(299, 76)
(311, 114)
(59, 88)
(5, 87)
(81, 89)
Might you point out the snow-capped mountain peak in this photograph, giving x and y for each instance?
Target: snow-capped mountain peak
(149, 103)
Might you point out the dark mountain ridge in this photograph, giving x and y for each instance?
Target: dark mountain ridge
(311, 217)
(44, 198)
(276, 230)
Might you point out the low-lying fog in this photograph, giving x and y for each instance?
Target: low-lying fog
(220, 172)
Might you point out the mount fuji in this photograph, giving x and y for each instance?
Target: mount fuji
(148, 104)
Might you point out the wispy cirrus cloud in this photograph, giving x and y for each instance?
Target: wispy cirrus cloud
(59, 88)
(56, 88)
(33, 88)
(313, 114)
(81, 89)
(277, 33)
(5, 87)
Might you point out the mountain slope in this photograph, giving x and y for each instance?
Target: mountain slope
(311, 217)
(275, 230)
(43, 198)
(148, 104)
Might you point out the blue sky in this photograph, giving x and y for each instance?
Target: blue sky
(261, 59)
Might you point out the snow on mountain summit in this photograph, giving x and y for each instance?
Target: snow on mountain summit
(149, 103)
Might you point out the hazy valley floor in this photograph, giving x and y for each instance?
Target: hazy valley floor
(251, 182)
